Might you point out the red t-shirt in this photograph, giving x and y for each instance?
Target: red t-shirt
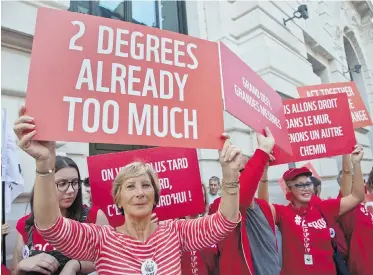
(339, 238)
(358, 226)
(5, 270)
(199, 262)
(38, 241)
(307, 247)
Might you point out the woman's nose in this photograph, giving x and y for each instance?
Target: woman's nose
(70, 189)
(139, 191)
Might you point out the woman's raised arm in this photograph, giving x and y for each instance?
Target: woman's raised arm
(346, 176)
(230, 161)
(73, 239)
(358, 193)
(46, 209)
(203, 232)
(254, 168)
(263, 184)
(200, 233)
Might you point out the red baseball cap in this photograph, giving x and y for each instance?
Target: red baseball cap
(295, 172)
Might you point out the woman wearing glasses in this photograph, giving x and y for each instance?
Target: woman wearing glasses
(307, 247)
(32, 254)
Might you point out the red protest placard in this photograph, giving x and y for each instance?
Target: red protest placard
(317, 129)
(94, 79)
(359, 114)
(179, 177)
(250, 99)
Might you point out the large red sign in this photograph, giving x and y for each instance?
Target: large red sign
(359, 114)
(250, 99)
(179, 178)
(94, 79)
(317, 129)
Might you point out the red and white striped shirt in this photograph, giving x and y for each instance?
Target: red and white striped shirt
(117, 253)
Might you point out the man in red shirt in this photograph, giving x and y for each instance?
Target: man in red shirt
(306, 237)
(251, 248)
(336, 231)
(358, 227)
(202, 262)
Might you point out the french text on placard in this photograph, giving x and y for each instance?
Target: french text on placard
(324, 130)
(257, 100)
(109, 174)
(175, 198)
(357, 115)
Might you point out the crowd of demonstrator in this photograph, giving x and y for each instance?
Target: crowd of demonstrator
(240, 234)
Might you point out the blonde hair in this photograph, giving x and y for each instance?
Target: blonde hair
(134, 170)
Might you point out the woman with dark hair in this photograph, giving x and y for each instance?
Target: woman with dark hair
(32, 254)
(358, 227)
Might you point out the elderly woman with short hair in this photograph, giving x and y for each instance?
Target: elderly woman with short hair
(139, 246)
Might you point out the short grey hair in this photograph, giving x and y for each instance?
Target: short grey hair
(214, 178)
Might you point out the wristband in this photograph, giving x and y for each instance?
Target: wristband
(230, 185)
(44, 174)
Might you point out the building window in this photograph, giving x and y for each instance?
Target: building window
(109, 9)
(164, 14)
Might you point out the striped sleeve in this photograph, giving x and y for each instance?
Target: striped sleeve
(197, 234)
(80, 241)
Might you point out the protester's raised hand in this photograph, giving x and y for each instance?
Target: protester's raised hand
(5, 229)
(266, 142)
(230, 160)
(42, 263)
(357, 154)
(25, 130)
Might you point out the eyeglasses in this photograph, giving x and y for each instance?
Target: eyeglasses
(64, 185)
(303, 186)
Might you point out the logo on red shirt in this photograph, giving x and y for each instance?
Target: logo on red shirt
(365, 211)
(318, 224)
